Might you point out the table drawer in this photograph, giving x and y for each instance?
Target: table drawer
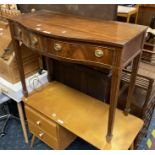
(45, 137)
(82, 52)
(79, 52)
(42, 122)
(30, 39)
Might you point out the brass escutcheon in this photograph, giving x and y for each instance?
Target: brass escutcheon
(57, 47)
(34, 40)
(99, 53)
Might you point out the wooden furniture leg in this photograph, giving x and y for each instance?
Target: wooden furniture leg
(21, 115)
(115, 83)
(128, 19)
(132, 83)
(33, 139)
(19, 60)
(148, 94)
(132, 146)
(49, 65)
(136, 18)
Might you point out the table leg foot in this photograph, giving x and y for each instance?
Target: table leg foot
(109, 138)
(127, 111)
(132, 146)
(32, 141)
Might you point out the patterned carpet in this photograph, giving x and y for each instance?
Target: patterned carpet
(14, 140)
(148, 143)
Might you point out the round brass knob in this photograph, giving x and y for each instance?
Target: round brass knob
(99, 53)
(57, 47)
(41, 134)
(38, 122)
(34, 41)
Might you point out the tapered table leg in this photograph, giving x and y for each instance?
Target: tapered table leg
(132, 83)
(19, 60)
(115, 83)
(22, 120)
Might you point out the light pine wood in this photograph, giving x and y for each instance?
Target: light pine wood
(52, 133)
(84, 116)
(129, 14)
(58, 143)
(22, 120)
(45, 137)
(40, 121)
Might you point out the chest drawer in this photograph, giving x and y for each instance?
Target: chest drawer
(48, 131)
(45, 137)
(40, 121)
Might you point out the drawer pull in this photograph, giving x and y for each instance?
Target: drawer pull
(38, 122)
(41, 134)
(57, 47)
(34, 41)
(99, 53)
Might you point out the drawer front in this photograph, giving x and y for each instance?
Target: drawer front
(45, 137)
(82, 52)
(30, 39)
(22, 35)
(43, 123)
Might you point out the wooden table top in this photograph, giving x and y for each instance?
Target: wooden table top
(80, 28)
(83, 115)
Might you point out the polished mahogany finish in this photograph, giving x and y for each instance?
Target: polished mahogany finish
(79, 28)
(75, 39)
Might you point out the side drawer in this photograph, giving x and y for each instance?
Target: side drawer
(43, 123)
(45, 137)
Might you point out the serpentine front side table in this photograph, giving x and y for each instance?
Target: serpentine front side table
(91, 42)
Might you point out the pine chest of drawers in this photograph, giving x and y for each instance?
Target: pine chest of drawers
(47, 130)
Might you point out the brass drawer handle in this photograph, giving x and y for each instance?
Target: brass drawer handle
(99, 53)
(57, 47)
(41, 134)
(38, 122)
(34, 41)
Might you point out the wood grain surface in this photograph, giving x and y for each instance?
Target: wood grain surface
(80, 28)
(84, 116)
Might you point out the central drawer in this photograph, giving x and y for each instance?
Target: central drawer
(44, 123)
(73, 51)
(82, 52)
